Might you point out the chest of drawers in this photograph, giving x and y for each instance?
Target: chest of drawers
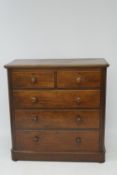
(57, 109)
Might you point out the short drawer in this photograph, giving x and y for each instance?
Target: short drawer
(78, 79)
(36, 119)
(32, 79)
(57, 141)
(56, 99)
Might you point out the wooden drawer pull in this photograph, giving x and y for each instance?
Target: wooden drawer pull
(78, 140)
(36, 139)
(35, 118)
(78, 100)
(34, 99)
(78, 79)
(33, 80)
(78, 119)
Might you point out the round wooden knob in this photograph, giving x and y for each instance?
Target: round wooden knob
(78, 79)
(78, 140)
(78, 100)
(33, 80)
(34, 99)
(36, 139)
(35, 118)
(78, 119)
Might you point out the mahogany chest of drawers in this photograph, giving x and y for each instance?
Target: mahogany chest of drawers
(57, 109)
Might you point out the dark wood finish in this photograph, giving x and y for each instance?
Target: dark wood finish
(85, 156)
(57, 99)
(78, 79)
(57, 141)
(57, 109)
(11, 110)
(32, 79)
(68, 119)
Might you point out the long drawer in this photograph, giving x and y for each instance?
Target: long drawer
(66, 119)
(57, 141)
(56, 99)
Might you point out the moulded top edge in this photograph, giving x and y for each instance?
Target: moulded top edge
(74, 62)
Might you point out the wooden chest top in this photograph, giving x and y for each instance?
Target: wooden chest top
(87, 62)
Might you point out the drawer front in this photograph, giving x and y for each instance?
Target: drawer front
(47, 141)
(56, 99)
(33, 79)
(35, 119)
(78, 79)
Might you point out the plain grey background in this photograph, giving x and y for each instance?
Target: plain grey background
(59, 29)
